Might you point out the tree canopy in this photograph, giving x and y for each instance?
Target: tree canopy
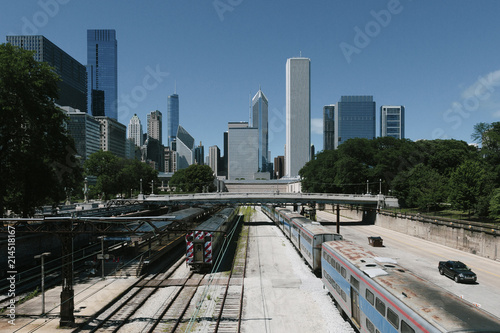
(195, 178)
(37, 157)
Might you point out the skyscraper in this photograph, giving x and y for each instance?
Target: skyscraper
(214, 159)
(135, 130)
(298, 114)
(102, 71)
(172, 117)
(199, 154)
(260, 121)
(185, 148)
(329, 127)
(392, 121)
(242, 151)
(154, 120)
(354, 118)
(73, 84)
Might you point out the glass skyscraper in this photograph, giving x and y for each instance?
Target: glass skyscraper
(354, 118)
(102, 71)
(329, 127)
(298, 115)
(392, 121)
(172, 117)
(260, 121)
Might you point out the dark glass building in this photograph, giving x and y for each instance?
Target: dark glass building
(73, 87)
(354, 118)
(172, 117)
(329, 127)
(102, 70)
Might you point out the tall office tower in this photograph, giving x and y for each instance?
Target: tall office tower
(243, 147)
(354, 118)
(214, 158)
(73, 84)
(329, 127)
(259, 121)
(185, 148)
(85, 130)
(135, 130)
(279, 167)
(392, 121)
(298, 114)
(199, 155)
(224, 167)
(113, 136)
(102, 70)
(154, 120)
(172, 117)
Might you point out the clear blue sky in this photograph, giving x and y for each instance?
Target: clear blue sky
(440, 59)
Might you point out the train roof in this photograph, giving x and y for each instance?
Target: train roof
(316, 229)
(435, 304)
(215, 222)
(183, 213)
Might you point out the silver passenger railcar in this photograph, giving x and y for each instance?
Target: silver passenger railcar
(378, 295)
(203, 243)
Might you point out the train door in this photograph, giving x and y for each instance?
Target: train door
(198, 252)
(356, 312)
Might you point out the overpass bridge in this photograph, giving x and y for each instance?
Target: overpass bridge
(236, 198)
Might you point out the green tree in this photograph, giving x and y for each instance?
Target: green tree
(117, 175)
(37, 157)
(494, 207)
(467, 184)
(425, 187)
(195, 178)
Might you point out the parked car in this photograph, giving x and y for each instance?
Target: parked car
(457, 270)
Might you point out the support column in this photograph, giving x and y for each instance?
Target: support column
(338, 218)
(67, 294)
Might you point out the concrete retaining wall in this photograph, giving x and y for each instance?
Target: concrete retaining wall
(475, 238)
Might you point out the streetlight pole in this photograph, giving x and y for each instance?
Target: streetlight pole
(367, 190)
(380, 186)
(42, 256)
(141, 187)
(152, 188)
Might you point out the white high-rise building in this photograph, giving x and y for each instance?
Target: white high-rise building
(392, 121)
(214, 158)
(243, 148)
(298, 114)
(135, 130)
(259, 120)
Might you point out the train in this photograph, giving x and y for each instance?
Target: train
(306, 235)
(205, 242)
(376, 294)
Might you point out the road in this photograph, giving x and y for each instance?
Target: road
(422, 257)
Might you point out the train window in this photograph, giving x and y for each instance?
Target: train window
(342, 271)
(369, 296)
(354, 282)
(208, 239)
(337, 266)
(405, 328)
(380, 306)
(370, 326)
(344, 297)
(393, 318)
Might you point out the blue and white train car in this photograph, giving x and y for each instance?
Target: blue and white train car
(378, 295)
(312, 236)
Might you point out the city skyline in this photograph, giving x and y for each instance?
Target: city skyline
(378, 48)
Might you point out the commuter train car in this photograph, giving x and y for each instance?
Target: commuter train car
(378, 295)
(305, 235)
(203, 244)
